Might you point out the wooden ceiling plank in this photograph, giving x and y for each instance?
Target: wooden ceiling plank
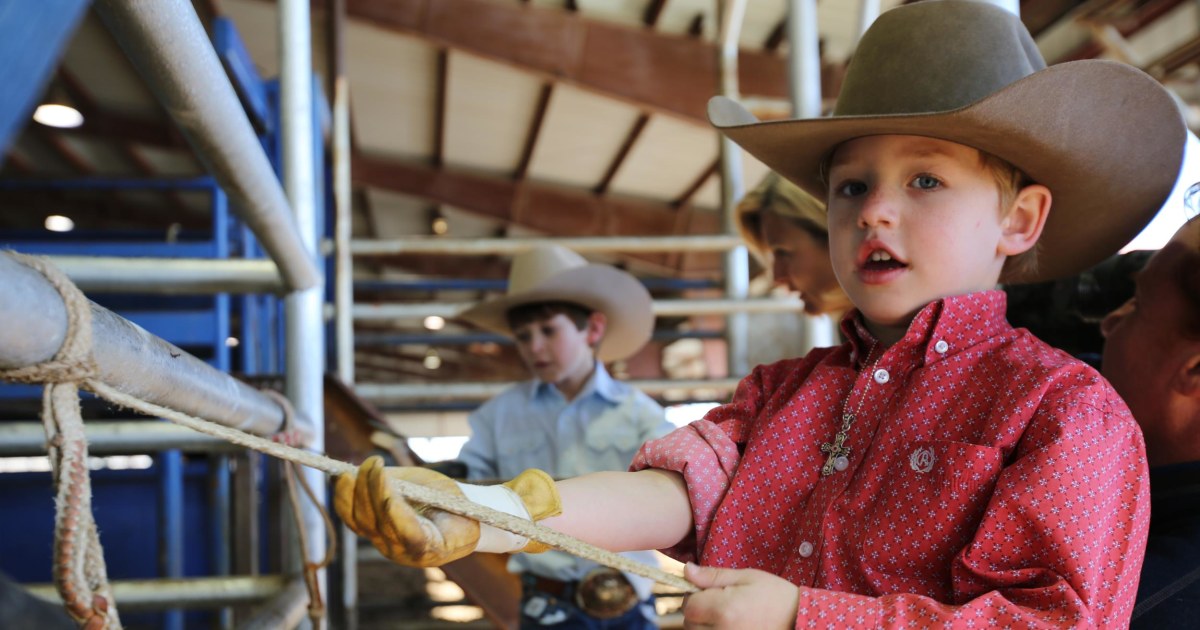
(642, 66)
(634, 132)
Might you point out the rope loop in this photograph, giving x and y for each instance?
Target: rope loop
(73, 363)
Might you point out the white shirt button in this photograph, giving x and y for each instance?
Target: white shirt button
(806, 549)
(882, 376)
(941, 346)
(841, 463)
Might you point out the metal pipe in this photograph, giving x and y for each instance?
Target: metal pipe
(25, 439)
(510, 246)
(172, 52)
(482, 390)
(737, 259)
(804, 59)
(128, 358)
(346, 564)
(304, 326)
(203, 592)
(285, 610)
(868, 10)
(170, 276)
(343, 287)
(662, 308)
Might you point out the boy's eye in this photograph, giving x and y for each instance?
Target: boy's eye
(523, 336)
(852, 188)
(926, 182)
(547, 331)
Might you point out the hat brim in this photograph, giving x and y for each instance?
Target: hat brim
(624, 301)
(1104, 137)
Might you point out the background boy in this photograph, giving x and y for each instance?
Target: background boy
(567, 318)
(940, 467)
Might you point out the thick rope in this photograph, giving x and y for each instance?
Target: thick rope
(413, 492)
(410, 491)
(80, 576)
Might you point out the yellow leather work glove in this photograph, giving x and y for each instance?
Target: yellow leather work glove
(423, 536)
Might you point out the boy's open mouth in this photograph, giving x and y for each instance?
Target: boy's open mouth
(881, 260)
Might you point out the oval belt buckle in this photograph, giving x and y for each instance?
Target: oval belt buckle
(605, 593)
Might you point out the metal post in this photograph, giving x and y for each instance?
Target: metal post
(305, 323)
(737, 259)
(172, 52)
(804, 59)
(170, 527)
(343, 288)
(868, 10)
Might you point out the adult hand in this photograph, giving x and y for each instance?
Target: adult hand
(739, 598)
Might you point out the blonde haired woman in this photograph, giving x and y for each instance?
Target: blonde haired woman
(786, 229)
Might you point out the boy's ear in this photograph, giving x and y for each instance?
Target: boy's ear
(596, 325)
(1189, 376)
(1023, 224)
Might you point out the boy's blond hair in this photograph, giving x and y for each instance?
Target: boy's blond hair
(1009, 181)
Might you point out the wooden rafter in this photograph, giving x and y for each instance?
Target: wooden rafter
(696, 185)
(1126, 25)
(535, 130)
(631, 138)
(653, 70)
(653, 11)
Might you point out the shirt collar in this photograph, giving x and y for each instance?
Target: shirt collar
(941, 329)
(600, 383)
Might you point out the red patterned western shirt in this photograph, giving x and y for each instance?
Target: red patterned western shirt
(992, 481)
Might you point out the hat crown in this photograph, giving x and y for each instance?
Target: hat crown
(936, 56)
(533, 267)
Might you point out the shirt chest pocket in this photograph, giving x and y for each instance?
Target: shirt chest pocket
(614, 437)
(519, 450)
(929, 507)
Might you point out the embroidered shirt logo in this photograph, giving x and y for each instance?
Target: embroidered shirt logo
(922, 460)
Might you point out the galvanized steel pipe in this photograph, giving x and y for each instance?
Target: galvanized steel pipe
(483, 391)
(737, 260)
(204, 592)
(171, 276)
(113, 438)
(663, 308)
(511, 246)
(167, 43)
(128, 358)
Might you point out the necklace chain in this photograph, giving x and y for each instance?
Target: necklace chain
(838, 450)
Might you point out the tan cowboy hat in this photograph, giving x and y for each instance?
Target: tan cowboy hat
(552, 273)
(1104, 137)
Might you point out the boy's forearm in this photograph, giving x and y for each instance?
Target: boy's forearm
(624, 511)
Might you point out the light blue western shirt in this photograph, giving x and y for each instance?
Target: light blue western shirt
(531, 425)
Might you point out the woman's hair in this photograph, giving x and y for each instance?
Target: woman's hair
(778, 195)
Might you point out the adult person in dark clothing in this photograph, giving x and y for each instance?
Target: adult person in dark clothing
(1152, 358)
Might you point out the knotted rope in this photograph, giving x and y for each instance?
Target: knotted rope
(410, 491)
(80, 576)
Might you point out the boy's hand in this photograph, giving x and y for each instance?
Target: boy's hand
(424, 536)
(420, 536)
(739, 598)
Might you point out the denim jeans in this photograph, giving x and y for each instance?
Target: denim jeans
(541, 610)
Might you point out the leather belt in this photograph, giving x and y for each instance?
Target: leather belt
(557, 588)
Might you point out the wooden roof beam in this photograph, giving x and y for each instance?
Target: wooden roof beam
(657, 71)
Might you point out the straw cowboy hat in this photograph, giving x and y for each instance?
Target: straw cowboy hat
(1104, 137)
(552, 273)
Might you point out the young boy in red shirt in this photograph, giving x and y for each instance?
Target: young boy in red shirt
(940, 468)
